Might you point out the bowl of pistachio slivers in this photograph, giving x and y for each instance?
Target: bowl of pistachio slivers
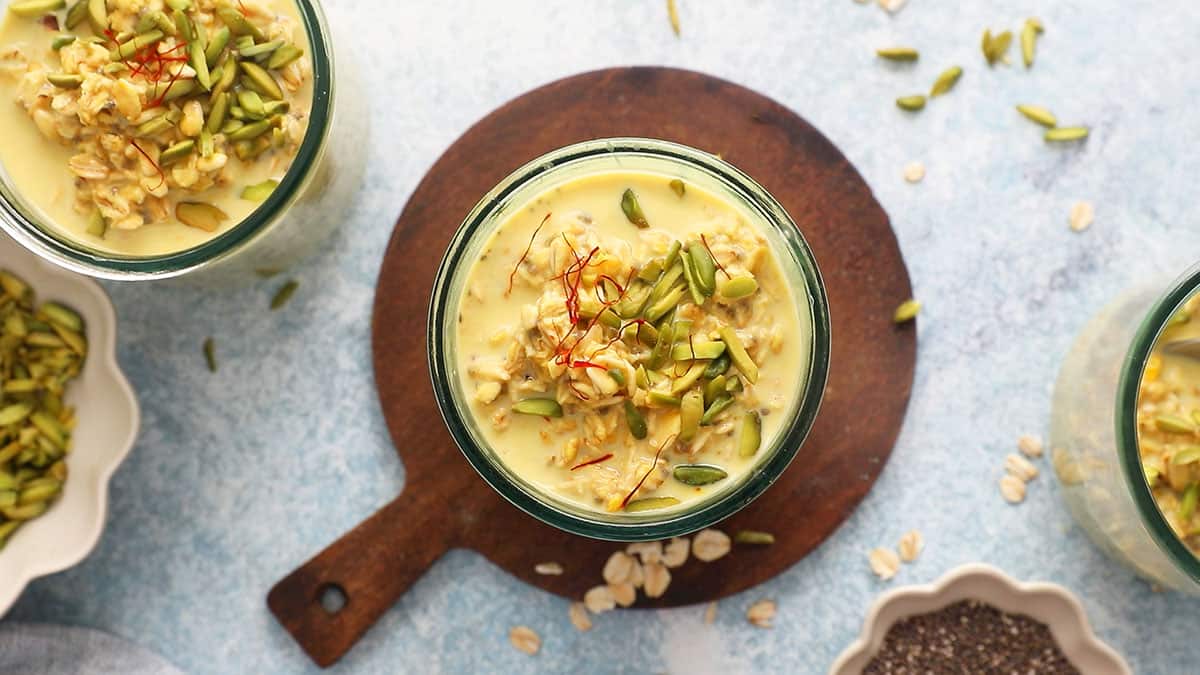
(68, 417)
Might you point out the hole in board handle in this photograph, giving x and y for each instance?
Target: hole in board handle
(332, 598)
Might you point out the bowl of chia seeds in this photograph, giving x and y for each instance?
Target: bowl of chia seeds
(976, 619)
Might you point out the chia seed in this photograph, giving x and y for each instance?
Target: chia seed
(969, 637)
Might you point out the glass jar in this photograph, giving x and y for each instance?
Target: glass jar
(311, 199)
(1094, 439)
(694, 167)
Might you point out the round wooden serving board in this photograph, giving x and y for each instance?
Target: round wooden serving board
(446, 505)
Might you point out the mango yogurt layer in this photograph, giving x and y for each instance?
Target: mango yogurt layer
(1168, 423)
(630, 342)
(146, 127)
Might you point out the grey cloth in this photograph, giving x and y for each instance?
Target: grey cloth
(40, 649)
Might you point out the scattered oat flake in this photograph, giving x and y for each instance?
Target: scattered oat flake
(892, 6)
(761, 613)
(1082, 215)
(710, 613)
(636, 576)
(550, 569)
(884, 563)
(710, 545)
(579, 617)
(675, 553)
(599, 600)
(658, 577)
(914, 172)
(618, 568)
(648, 551)
(911, 545)
(624, 594)
(1020, 467)
(1012, 488)
(1030, 446)
(524, 639)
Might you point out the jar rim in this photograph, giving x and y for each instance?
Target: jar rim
(1128, 387)
(67, 254)
(791, 436)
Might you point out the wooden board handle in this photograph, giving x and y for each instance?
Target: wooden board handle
(329, 602)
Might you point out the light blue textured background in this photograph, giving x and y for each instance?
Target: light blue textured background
(240, 477)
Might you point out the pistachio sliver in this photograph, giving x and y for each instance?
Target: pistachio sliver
(1061, 134)
(200, 215)
(635, 420)
(58, 314)
(713, 389)
(1187, 504)
(286, 292)
(663, 399)
(283, 56)
(216, 114)
(97, 14)
(139, 42)
(678, 187)
(750, 435)
(1173, 424)
(229, 73)
(704, 266)
(693, 283)
(717, 366)
(946, 81)
(650, 503)
(238, 24)
(542, 407)
(738, 354)
(911, 103)
(691, 351)
(898, 53)
(177, 89)
(176, 152)
(666, 304)
(259, 51)
(259, 191)
(210, 354)
(199, 64)
(96, 224)
(153, 126)
(61, 40)
(216, 44)
(1188, 455)
(738, 287)
(34, 8)
(250, 131)
(252, 104)
(261, 79)
(717, 407)
(691, 409)
(754, 537)
(699, 474)
(76, 15)
(632, 208)
(64, 80)
(689, 378)
(906, 311)
(1038, 114)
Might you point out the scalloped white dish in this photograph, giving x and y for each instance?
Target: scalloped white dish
(1047, 603)
(107, 421)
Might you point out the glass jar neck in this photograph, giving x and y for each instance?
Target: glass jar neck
(1128, 389)
(46, 242)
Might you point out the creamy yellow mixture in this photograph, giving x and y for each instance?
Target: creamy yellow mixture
(86, 135)
(629, 342)
(1169, 428)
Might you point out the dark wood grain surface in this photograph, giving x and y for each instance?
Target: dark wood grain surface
(446, 505)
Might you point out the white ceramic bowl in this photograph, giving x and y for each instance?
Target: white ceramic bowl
(1050, 604)
(107, 421)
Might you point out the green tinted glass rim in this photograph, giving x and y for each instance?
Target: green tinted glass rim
(674, 523)
(1126, 421)
(112, 266)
